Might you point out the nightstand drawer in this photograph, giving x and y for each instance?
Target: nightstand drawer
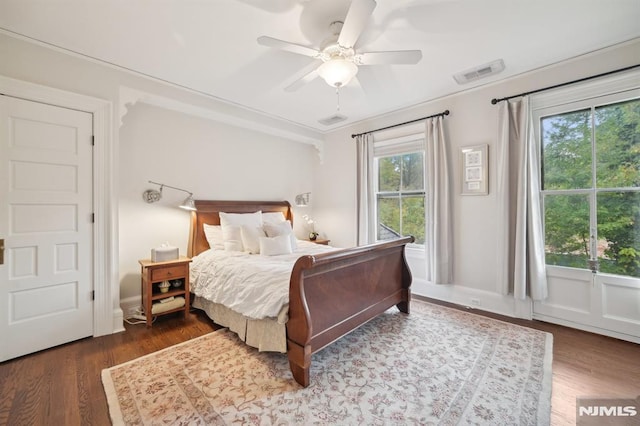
(170, 273)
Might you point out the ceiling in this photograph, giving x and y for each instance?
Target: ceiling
(210, 45)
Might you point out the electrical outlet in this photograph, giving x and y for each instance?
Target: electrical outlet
(475, 302)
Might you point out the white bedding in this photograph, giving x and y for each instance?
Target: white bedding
(253, 285)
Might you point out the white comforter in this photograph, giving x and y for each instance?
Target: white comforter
(253, 285)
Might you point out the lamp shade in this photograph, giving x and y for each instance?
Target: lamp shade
(337, 71)
(188, 204)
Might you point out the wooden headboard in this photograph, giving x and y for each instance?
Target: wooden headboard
(209, 212)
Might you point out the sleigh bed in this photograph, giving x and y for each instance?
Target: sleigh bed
(330, 293)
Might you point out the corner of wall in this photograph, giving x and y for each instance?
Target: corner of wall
(130, 305)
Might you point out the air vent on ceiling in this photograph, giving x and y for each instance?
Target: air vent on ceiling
(333, 119)
(479, 72)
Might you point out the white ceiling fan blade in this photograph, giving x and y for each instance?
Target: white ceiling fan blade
(408, 57)
(290, 47)
(305, 79)
(355, 21)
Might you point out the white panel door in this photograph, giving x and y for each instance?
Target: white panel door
(46, 223)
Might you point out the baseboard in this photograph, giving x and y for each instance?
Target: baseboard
(474, 299)
(588, 328)
(118, 321)
(130, 306)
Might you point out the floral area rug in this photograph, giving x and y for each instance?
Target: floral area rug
(435, 366)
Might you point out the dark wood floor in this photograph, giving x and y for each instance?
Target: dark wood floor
(62, 386)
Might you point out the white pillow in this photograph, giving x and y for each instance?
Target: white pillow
(232, 237)
(228, 220)
(272, 217)
(282, 228)
(275, 246)
(213, 234)
(234, 245)
(251, 238)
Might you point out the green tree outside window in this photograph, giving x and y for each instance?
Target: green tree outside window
(400, 196)
(591, 187)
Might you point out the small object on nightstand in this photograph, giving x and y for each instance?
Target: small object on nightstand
(164, 253)
(164, 286)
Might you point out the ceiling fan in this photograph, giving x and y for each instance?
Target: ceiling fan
(340, 60)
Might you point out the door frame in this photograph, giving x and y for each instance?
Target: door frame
(107, 314)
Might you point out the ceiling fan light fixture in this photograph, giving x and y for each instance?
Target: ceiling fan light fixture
(337, 72)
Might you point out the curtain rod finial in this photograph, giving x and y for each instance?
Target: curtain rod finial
(446, 112)
(494, 101)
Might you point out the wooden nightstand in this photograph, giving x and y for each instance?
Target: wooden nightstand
(320, 241)
(154, 273)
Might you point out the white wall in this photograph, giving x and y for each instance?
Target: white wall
(206, 156)
(210, 159)
(198, 154)
(473, 121)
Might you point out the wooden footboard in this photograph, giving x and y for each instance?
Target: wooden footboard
(333, 293)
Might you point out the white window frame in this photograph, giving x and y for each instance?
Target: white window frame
(601, 92)
(389, 147)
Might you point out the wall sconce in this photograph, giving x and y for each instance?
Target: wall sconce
(302, 200)
(153, 195)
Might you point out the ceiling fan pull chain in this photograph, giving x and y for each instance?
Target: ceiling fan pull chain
(338, 96)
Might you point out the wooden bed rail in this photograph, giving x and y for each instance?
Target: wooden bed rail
(333, 293)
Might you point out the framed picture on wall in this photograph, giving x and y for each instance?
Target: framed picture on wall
(474, 162)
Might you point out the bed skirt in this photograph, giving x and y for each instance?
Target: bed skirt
(266, 335)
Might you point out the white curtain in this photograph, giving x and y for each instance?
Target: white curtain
(521, 265)
(438, 214)
(365, 200)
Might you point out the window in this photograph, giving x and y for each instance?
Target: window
(591, 183)
(399, 188)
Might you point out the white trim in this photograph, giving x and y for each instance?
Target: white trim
(604, 86)
(128, 97)
(466, 296)
(585, 327)
(130, 305)
(407, 130)
(107, 315)
(588, 315)
(274, 122)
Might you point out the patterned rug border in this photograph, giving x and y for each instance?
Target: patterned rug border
(543, 409)
(547, 381)
(107, 381)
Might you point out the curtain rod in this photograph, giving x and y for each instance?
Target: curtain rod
(443, 113)
(495, 101)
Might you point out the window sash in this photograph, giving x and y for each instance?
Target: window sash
(397, 148)
(556, 106)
